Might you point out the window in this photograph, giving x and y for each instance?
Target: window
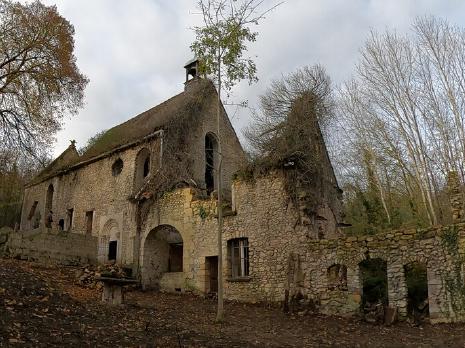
(210, 149)
(61, 224)
(239, 257)
(49, 199)
(70, 213)
(89, 220)
(337, 277)
(175, 257)
(146, 167)
(142, 168)
(112, 250)
(33, 210)
(117, 167)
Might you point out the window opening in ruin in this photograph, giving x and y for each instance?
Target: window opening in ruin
(112, 250)
(239, 257)
(70, 213)
(61, 224)
(142, 168)
(49, 199)
(337, 277)
(210, 148)
(416, 279)
(33, 210)
(175, 257)
(374, 280)
(146, 167)
(89, 221)
(117, 167)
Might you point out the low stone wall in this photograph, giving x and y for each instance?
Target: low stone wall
(440, 250)
(46, 245)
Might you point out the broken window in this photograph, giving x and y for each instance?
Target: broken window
(33, 210)
(337, 277)
(210, 149)
(142, 168)
(117, 167)
(238, 250)
(70, 213)
(112, 250)
(89, 221)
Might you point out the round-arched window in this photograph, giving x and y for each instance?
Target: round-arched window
(117, 167)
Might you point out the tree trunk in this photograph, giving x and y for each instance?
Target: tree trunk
(220, 310)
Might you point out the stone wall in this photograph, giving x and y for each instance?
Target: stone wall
(46, 245)
(286, 259)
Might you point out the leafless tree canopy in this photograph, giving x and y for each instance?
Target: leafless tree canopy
(403, 115)
(285, 122)
(39, 79)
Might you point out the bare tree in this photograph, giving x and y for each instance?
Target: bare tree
(39, 79)
(407, 105)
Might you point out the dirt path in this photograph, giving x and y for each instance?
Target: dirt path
(42, 306)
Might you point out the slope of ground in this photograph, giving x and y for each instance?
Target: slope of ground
(42, 306)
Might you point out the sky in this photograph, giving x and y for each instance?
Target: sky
(134, 51)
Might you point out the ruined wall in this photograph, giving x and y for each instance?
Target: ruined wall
(93, 187)
(261, 212)
(44, 245)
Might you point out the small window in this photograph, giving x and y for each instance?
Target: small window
(112, 250)
(33, 210)
(337, 277)
(61, 224)
(238, 250)
(117, 167)
(89, 221)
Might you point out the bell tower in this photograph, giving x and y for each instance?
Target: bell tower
(192, 71)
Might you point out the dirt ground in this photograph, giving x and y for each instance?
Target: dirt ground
(42, 306)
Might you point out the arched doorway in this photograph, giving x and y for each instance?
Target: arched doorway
(162, 258)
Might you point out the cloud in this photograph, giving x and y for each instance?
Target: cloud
(134, 52)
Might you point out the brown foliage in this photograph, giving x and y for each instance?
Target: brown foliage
(39, 79)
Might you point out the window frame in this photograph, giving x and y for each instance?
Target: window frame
(239, 258)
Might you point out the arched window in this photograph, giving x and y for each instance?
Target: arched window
(117, 167)
(142, 168)
(49, 199)
(211, 154)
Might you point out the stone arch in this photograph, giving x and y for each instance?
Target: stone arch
(110, 242)
(211, 159)
(142, 167)
(163, 259)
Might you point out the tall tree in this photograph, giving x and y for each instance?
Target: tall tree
(39, 79)
(406, 107)
(220, 45)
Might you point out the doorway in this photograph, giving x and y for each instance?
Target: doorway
(211, 265)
